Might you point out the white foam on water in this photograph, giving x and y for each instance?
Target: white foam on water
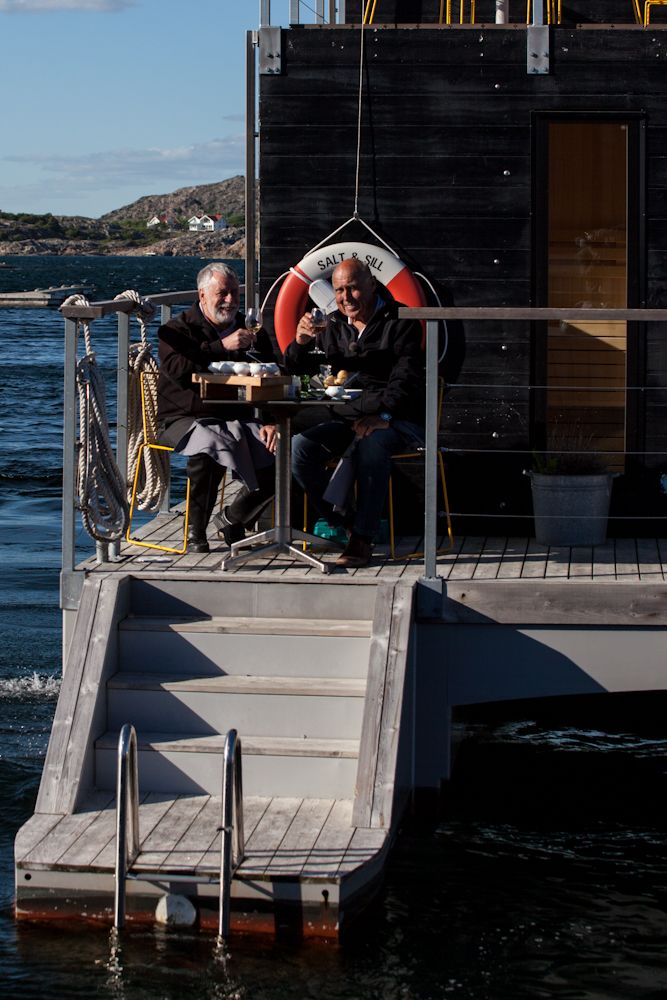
(34, 685)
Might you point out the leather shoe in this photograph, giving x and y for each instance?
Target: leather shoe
(197, 542)
(228, 531)
(356, 553)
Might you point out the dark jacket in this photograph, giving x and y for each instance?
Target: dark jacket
(388, 359)
(189, 344)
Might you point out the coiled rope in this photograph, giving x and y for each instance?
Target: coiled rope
(154, 472)
(100, 486)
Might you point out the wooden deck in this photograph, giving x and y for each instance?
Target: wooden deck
(307, 838)
(624, 560)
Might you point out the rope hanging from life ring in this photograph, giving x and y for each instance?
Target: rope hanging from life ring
(384, 265)
(100, 485)
(154, 472)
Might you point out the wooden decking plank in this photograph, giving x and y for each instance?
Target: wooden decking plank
(535, 561)
(604, 561)
(558, 562)
(169, 830)
(363, 847)
(650, 564)
(264, 841)
(61, 838)
(467, 559)
(447, 560)
(254, 808)
(187, 853)
(329, 850)
(581, 562)
(300, 837)
(514, 556)
(627, 567)
(33, 833)
(490, 559)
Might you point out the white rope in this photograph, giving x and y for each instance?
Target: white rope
(154, 472)
(100, 486)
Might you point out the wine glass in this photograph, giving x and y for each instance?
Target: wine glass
(253, 320)
(318, 319)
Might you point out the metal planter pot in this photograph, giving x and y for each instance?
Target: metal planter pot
(569, 509)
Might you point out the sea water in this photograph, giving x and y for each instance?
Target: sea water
(544, 876)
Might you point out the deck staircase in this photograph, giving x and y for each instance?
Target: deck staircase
(313, 680)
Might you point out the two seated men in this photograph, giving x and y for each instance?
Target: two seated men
(364, 337)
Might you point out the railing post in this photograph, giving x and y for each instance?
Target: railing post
(121, 403)
(294, 11)
(68, 542)
(250, 170)
(431, 442)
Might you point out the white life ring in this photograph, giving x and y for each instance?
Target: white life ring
(384, 265)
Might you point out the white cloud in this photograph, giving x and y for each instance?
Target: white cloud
(111, 166)
(30, 6)
(107, 176)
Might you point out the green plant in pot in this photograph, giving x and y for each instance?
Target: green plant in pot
(571, 488)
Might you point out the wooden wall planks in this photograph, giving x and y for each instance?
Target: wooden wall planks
(446, 178)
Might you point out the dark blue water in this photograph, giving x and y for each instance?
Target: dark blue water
(546, 875)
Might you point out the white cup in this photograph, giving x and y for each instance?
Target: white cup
(241, 368)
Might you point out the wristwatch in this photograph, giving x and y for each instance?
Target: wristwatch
(385, 416)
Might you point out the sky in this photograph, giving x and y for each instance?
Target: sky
(108, 100)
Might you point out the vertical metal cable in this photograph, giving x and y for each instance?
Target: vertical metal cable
(359, 110)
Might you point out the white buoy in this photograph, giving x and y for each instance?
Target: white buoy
(175, 911)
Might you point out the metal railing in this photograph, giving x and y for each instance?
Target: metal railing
(432, 316)
(232, 843)
(71, 581)
(127, 808)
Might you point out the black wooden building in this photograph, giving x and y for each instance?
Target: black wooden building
(506, 187)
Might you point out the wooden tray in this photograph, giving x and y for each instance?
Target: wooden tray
(252, 388)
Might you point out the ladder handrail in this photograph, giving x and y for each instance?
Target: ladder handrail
(127, 787)
(232, 842)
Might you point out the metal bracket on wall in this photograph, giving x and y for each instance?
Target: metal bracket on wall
(270, 55)
(537, 49)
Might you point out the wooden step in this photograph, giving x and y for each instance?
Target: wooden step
(245, 645)
(249, 625)
(266, 706)
(192, 764)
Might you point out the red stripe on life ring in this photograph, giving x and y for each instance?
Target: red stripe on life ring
(292, 299)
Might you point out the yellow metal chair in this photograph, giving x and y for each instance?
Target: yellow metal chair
(554, 11)
(148, 443)
(420, 455)
(647, 9)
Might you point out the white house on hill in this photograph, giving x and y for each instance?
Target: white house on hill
(157, 220)
(206, 223)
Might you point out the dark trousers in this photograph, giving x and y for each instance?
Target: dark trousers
(205, 476)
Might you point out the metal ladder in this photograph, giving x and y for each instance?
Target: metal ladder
(232, 846)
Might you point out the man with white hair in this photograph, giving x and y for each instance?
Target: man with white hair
(213, 329)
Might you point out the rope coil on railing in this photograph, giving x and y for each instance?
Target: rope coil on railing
(154, 472)
(100, 485)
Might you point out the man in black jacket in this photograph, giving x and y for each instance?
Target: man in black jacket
(213, 330)
(364, 338)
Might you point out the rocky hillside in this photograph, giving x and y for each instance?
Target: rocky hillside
(124, 231)
(225, 198)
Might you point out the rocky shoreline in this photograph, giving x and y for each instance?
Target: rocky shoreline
(228, 243)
